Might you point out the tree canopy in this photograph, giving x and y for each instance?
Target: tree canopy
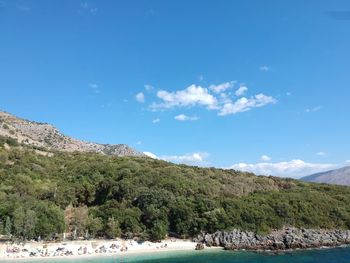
(92, 195)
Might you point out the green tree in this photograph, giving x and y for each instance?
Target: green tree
(8, 226)
(113, 228)
(94, 225)
(50, 220)
(24, 222)
(159, 231)
(181, 218)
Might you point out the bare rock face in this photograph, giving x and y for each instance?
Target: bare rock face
(287, 238)
(43, 135)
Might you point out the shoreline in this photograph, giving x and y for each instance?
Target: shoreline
(181, 246)
(91, 249)
(278, 241)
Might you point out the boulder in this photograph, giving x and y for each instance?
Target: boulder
(199, 246)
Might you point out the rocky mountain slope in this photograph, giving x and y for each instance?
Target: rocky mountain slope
(43, 135)
(339, 176)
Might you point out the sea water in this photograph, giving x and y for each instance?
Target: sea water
(332, 255)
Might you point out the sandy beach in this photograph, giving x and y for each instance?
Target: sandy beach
(89, 248)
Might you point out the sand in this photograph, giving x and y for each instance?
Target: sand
(90, 248)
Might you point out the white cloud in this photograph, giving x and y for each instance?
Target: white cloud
(347, 161)
(293, 168)
(197, 158)
(314, 109)
(244, 104)
(321, 154)
(265, 158)
(139, 143)
(140, 97)
(215, 97)
(183, 117)
(193, 158)
(241, 91)
(264, 68)
(200, 78)
(152, 155)
(222, 87)
(191, 96)
(156, 120)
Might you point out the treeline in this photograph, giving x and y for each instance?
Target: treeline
(90, 195)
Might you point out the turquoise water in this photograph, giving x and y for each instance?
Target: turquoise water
(336, 255)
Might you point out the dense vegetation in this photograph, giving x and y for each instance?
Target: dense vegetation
(91, 195)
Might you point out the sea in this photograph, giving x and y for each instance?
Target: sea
(331, 255)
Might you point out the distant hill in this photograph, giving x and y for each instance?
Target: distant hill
(43, 135)
(339, 176)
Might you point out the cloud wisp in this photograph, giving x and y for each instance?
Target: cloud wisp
(265, 158)
(246, 104)
(264, 68)
(148, 87)
(183, 117)
(87, 7)
(140, 97)
(95, 88)
(222, 87)
(241, 91)
(314, 109)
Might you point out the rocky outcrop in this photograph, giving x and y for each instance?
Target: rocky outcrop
(287, 238)
(199, 246)
(43, 135)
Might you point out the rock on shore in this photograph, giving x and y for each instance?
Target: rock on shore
(287, 238)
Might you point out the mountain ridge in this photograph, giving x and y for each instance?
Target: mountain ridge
(339, 176)
(45, 135)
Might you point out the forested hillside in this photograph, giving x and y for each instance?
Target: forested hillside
(92, 195)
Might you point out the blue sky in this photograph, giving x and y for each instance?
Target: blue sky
(254, 85)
